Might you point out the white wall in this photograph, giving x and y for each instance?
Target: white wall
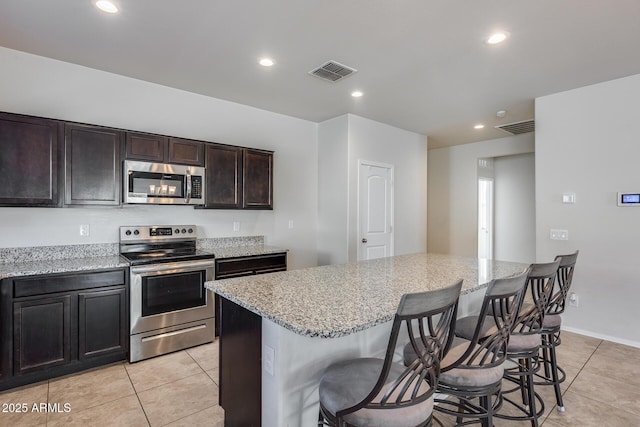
(40, 86)
(587, 143)
(453, 192)
(515, 208)
(342, 142)
(333, 191)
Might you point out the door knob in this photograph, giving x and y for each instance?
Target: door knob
(364, 240)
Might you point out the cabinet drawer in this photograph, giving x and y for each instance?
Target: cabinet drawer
(38, 285)
(245, 266)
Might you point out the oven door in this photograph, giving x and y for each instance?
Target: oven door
(169, 294)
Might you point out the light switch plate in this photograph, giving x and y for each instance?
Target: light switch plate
(569, 198)
(559, 234)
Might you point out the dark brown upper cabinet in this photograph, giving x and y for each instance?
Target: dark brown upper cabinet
(162, 149)
(186, 152)
(92, 165)
(223, 176)
(146, 147)
(257, 179)
(28, 161)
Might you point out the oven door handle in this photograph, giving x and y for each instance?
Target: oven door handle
(187, 192)
(170, 268)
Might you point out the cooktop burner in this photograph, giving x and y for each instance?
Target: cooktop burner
(160, 244)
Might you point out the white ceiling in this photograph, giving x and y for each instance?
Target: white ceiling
(422, 65)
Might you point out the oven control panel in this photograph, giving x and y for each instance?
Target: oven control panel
(135, 233)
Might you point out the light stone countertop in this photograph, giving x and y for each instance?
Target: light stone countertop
(36, 260)
(66, 265)
(338, 300)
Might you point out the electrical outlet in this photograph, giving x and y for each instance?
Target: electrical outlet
(574, 301)
(290, 223)
(236, 226)
(85, 230)
(269, 359)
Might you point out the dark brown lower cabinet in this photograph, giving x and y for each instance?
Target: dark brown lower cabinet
(102, 323)
(246, 266)
(41, 334)
(53, 325)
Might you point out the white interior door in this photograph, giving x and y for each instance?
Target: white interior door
(375, 210)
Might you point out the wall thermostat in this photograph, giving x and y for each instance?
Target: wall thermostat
(628, 199)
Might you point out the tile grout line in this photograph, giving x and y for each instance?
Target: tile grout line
(573, 380)
(137, 397)
(583, 365)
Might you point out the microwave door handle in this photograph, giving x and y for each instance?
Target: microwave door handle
(187, 194)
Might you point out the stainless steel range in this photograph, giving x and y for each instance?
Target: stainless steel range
(170, 308)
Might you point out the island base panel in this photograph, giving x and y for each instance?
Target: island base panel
(240, 365)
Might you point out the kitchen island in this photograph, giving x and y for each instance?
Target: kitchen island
(280, 331)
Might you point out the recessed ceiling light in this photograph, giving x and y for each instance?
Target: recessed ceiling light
(479, 126)
(497, 38)
(266, 62)
(356, 94)
(106, 6)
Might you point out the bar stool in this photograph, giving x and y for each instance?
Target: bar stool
(554, 374)
(525, 342)
(473, 369)
(371, 392)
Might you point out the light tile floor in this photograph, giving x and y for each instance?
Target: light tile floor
(177, 389)
(180, 389)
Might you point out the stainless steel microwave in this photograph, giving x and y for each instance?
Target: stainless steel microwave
(163, 183)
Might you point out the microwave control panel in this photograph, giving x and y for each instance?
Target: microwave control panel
(196, 187)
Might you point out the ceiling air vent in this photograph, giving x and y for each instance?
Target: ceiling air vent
(519, 127)
(332, 71)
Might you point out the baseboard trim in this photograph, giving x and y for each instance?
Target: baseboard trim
(602, 336)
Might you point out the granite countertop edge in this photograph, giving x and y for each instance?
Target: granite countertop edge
(337, 333)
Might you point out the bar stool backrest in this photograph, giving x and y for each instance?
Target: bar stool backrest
(433, 314)
(499, 311)
(564, 278)
(540, 284)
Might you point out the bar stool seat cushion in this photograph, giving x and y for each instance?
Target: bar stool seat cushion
(523, 342)
(551, 321)
(347, 383)
(458, 377)
(468, 376)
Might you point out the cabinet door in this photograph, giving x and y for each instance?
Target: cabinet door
(258, 179)
(186, 152)
(41, 334)
(102, 325)
(29, 161)
(146, 147)
(92, 165)
(223, 176)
